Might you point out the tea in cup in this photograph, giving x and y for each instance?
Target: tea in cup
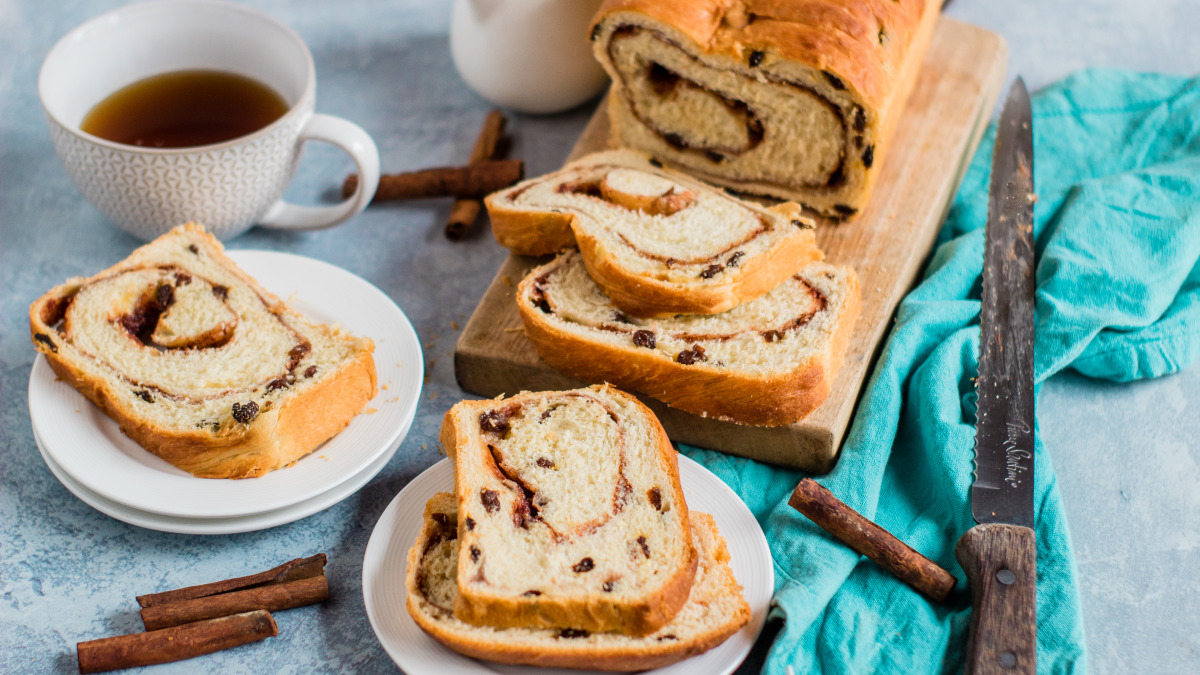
(193, 110)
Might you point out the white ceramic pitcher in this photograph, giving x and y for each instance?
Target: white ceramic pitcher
(528, 55)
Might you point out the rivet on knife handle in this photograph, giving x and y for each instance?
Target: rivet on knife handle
(1000, 562)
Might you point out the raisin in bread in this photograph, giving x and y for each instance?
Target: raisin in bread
(715, 608)
(769, 361)
(790, 99)
(198, 363)
(657, 241)
(570, 511)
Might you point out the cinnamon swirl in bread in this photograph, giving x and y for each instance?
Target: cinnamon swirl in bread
(794, 99)
(571, 515)
(198, 363)
(657, 241)
(714, 610)
(769, 361)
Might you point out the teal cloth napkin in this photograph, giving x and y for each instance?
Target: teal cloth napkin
(1117, 174)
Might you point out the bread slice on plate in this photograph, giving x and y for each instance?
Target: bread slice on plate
(570, 513)
(715, 608)
(796, 100)
(198, 363)
(657, 241)
(770, 361)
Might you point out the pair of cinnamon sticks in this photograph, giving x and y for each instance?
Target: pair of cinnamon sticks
(485, 173)
(197, 620)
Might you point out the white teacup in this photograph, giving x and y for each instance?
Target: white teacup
(226, 186)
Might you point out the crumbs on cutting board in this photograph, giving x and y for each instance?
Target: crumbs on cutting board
(506, 280)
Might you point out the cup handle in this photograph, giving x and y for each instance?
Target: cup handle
(355, 142)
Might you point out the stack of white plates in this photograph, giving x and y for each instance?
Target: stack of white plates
(87, 452)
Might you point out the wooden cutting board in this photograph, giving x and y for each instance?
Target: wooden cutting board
(887, 245)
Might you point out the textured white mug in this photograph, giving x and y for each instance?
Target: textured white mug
(227, 186)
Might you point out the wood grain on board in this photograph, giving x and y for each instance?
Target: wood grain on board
(887, 245)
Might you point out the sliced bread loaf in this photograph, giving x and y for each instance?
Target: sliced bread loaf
(198, 363)
(570, 512)
(715, 608)
(769, 361)
(657, 241)
(796, 100)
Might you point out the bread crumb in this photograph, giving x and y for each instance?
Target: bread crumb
(370, 411)
(433, 394)
(454, 325)
(428, 345)
(423, 446)
(383, 387)
(395, 399)
(506, 280)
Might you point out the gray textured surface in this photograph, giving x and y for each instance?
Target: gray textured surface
(1126, 455)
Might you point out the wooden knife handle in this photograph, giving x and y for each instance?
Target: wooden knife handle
(1000, 562)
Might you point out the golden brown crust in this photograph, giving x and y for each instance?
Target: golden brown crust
(698, 388)
(874, 48)
(593, 613)
(277, 438)
(504, 647)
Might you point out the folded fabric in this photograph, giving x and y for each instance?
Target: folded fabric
(1117, 174)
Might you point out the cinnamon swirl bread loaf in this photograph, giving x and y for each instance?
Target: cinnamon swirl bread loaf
(769, 361)
(793, 99)
(715, 608)
(198, 363)
(657, 241)
(570, 513)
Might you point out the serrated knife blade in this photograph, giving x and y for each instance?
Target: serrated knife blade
(999, 555)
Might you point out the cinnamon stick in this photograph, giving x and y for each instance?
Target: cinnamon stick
(475, 180)
(174, 644)
(292, 570)
(464, 212)
(272, 597)
(871, 540)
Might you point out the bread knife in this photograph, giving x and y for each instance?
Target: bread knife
(999, 554)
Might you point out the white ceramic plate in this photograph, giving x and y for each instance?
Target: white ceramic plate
(89, 447)
(385, 566)
(234, 525)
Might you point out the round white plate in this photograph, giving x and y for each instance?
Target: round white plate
(385, 566)
(234, 525)
(89, 446)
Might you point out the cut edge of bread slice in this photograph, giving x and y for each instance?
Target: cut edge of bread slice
(714, 610)
(588, 574)
(722, 280)
(291, 417)
(692, 378)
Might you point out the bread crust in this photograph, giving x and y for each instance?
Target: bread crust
(278, 437)
(531, 231)
(593, 613)
(699, 388)
(502, 647)
(874, 48)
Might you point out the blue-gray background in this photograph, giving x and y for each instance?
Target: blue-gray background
(1127, 455)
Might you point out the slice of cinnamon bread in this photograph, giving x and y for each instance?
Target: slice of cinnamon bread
(715, 608)
(769, 361)
(570, 512)
(657, 241)
(198, 363)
